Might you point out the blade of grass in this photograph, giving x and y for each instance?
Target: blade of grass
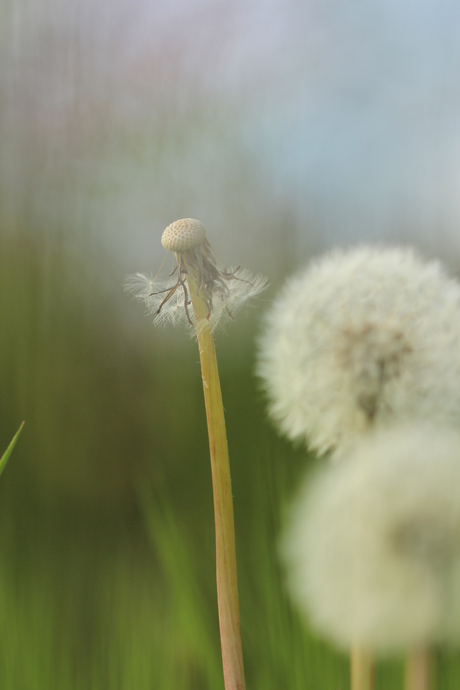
(5, 457)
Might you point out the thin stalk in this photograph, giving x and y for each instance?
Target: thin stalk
(361, 669)
(417, 672)
(227, 588)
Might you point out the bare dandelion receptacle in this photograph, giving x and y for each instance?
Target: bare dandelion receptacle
(200, 291)
(183, 235)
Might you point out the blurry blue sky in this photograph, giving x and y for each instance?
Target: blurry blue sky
(340, 119)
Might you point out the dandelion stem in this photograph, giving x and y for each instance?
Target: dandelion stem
(361, 669)
(227, 588)
(417, 672)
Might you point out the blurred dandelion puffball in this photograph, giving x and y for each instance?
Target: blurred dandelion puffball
(372, 551)
(223, 290)
(359, 339)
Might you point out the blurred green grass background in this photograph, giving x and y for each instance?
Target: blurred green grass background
(106, 523)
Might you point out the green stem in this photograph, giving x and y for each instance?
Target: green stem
(361, 669)
(227, 588)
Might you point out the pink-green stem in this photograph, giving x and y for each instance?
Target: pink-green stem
(417, 674)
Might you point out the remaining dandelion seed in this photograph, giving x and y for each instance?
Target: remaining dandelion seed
(223, 290)
(372, 550)
(360, 339)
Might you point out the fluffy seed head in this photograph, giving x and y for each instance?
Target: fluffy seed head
(183, 234)
(362, 339)
(223, 290)
(372, 551)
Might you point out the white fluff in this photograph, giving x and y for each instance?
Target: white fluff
(359, 339)
(236, 287)
(372, 550)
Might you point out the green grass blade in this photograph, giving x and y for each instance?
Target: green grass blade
(7, 453)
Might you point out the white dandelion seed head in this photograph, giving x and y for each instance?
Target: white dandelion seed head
(372, 550)
(183, 234)
(224, 290)
(362, 338)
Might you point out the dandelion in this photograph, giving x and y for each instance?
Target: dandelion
(203, 293)
(372, 550)
(359, 340)
(222, 290)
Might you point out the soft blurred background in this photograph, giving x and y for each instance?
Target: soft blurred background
(287, 127)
